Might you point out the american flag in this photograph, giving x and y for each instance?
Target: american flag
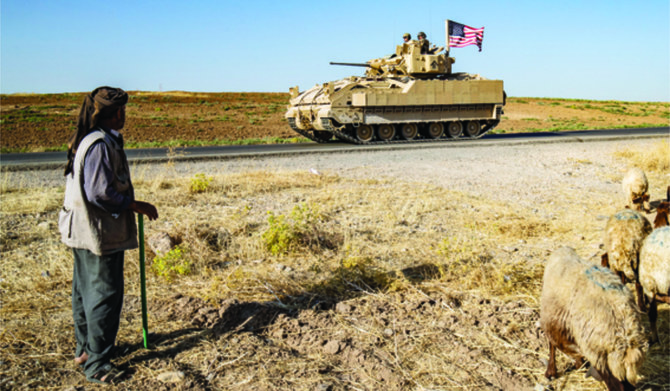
(461, 35)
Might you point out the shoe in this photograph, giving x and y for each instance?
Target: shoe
(108, 374)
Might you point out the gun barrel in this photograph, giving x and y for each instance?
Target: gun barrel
(351, 64)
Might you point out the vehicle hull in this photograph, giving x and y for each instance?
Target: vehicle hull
(340, 108)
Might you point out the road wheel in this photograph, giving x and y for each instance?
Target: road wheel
(435, 130)
(386, 132)
(454, 129)
(365, 133)
(409, 131)
(472, 128)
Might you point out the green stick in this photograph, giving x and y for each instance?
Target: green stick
(143, 288)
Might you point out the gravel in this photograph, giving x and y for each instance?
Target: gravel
(525, 173)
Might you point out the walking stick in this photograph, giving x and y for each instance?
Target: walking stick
(143, 288)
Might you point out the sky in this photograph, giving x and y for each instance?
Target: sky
(596, 49)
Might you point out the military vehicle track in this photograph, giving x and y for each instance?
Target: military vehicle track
(343, 136)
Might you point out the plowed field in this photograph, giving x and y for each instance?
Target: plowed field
(45, 122)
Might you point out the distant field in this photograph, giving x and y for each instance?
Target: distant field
(43, 122)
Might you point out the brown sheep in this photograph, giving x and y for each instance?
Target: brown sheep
(662, 211)
(635, 186)
(586, 312)
(624, 233)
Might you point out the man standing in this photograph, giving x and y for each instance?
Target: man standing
(423, 42)
(98, 223)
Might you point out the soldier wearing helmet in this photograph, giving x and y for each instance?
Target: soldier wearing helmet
(406, 37)
(423, 42)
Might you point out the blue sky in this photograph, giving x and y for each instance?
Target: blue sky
(607, 49)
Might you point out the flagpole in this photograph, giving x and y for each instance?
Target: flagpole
(446, 33)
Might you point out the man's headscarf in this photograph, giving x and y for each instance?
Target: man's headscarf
(100, 104)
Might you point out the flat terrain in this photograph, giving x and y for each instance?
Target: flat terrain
(397, 270)
(45, 122)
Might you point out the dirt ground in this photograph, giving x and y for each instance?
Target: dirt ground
(420, 279)
(45, 122)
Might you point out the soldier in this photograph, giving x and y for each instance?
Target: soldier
(423, 42)
(406, 37)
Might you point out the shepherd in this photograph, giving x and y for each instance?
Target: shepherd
(98, 222)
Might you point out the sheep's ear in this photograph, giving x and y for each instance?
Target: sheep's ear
(633, 362)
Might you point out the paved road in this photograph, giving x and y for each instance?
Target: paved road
(46, 160)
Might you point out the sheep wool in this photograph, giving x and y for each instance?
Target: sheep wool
(624, 233)
(654, 271)
(587, 312)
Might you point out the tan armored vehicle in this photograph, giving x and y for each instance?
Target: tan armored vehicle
(406, 96)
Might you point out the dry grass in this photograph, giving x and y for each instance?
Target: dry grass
(655, 159)
(384, 284)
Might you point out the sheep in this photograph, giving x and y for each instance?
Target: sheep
(635, 188)
(654, 272)
(624, 233)
(662, 212)
(586, 312)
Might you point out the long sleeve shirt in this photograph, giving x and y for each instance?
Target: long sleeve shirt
(99, 176)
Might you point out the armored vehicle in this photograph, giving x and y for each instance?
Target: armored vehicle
(404, 97)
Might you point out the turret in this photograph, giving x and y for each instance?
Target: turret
(408, 61)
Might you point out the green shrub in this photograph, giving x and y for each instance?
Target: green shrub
(287, 234)
(172, 264)
(200, 183)
(279, 236)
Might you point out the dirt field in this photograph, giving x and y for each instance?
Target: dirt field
(397, 270)
(45, 122)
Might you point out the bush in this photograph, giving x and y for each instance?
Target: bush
(200, 183)
(172, 264)
(288, 234)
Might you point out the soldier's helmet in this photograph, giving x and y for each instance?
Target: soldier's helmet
(406, 36)
(421, 34)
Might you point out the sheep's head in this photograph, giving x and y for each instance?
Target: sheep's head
(630, 350)
(641, 203)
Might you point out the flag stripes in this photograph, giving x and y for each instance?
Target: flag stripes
(461, 35)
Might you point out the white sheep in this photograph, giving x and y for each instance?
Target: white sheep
(586, 312)
(624, 233)
(654, 272)
(635, 187)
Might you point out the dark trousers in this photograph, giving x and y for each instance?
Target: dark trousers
(97, 298)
